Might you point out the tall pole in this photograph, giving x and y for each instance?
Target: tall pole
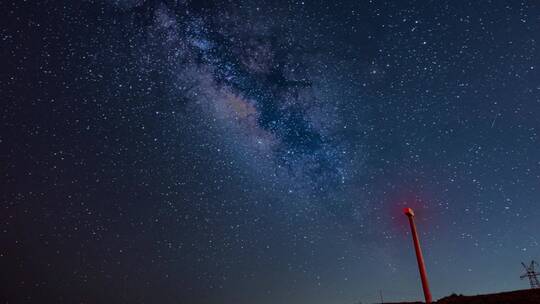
(419, 258)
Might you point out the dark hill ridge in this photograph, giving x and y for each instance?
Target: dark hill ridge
(528, 296)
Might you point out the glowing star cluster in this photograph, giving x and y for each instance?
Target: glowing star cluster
(246, 83)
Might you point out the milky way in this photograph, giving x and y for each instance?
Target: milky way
(254, 86)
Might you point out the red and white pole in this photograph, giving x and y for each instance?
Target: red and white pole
(419, 258)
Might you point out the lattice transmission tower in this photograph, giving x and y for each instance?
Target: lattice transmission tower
(531, 273)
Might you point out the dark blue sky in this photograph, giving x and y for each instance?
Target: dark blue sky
(261, 151)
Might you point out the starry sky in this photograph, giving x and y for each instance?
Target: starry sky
(262, 151)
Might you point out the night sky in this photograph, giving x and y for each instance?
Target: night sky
(261, 152)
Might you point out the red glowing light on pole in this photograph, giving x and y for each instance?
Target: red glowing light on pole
(419, 258)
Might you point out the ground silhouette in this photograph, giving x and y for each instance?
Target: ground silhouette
(528, 296)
